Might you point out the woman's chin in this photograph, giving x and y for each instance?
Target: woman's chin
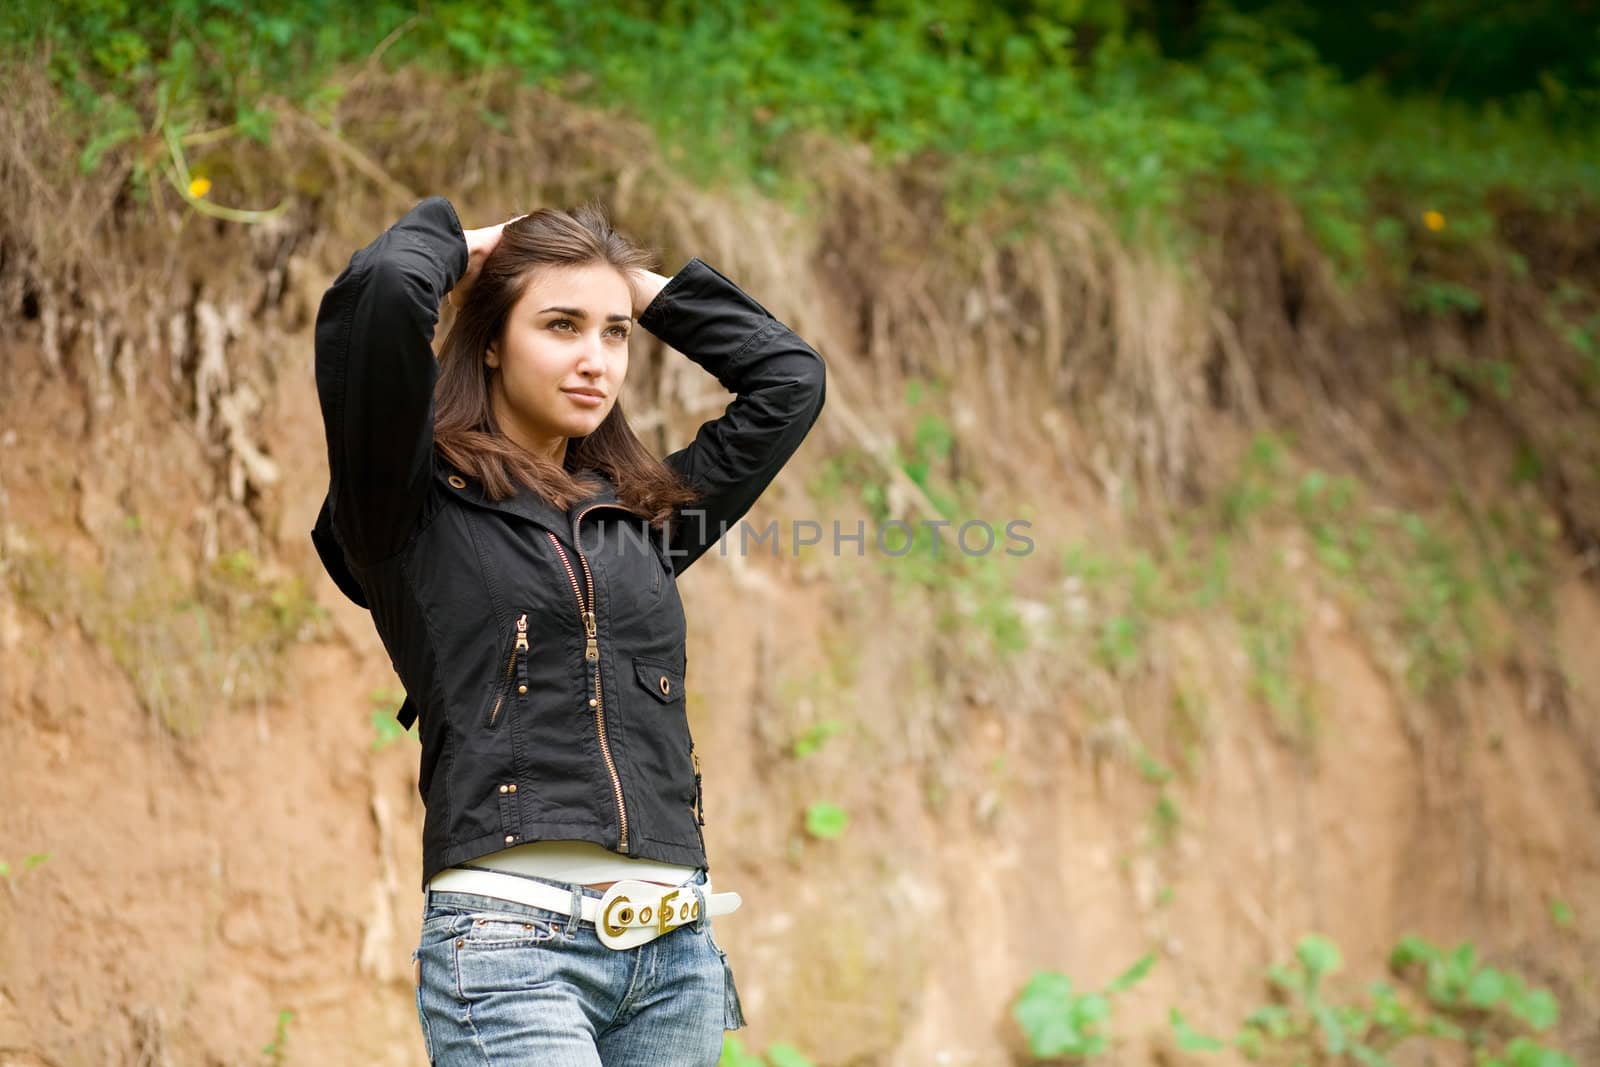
(583, 427)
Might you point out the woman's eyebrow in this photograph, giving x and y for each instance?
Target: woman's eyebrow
(579, 313)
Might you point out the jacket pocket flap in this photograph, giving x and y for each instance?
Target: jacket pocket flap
(660, 680)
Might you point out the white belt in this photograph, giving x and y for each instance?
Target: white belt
(630, 913)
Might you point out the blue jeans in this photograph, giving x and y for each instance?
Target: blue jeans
(506, 984)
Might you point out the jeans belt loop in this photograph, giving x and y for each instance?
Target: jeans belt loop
(575, 913)
(705, 912)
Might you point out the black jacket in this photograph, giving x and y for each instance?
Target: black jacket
(542, 651)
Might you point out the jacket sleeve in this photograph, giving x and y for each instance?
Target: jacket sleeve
(778, 382)
(375, 377)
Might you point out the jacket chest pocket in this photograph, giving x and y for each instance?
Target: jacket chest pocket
(661, 680)
(665, 683)
(665, 720)
(669, 724)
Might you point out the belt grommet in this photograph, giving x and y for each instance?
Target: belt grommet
(666, 686)
(644, 915)
(457, 482)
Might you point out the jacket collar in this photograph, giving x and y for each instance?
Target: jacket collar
(529, 505)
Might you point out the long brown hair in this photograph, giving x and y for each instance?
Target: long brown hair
(464, 429)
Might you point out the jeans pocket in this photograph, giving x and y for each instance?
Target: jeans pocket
(507, 931)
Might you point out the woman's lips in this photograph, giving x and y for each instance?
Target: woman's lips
(588, 400)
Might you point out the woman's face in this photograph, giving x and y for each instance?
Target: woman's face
(562, 358)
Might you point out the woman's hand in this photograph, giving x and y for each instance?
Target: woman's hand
(645, 285)
(479, 244)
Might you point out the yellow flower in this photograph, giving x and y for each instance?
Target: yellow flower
(199, 187)
(1433, 220)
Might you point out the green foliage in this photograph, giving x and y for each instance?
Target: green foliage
(826, 821)
(1429, 579)
(1015, 104)
(734, 1054)
(1060, 1022)
(1455, 980)
(778, 1054)
(1442, 297)
(187, 645)
(30, 862)
(276, 1051)
(815, 737)
(1189, 1039)
(942, 561)
(1461, 1002)
(386, 729)
(1271, 626)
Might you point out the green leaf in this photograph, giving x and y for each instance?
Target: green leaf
(1521, 1052)
(386, 729)
(1046, 1010)
(826, 821)
(734, 1054)
(1267, 1016)
(1487, 988)
(1411, 949)
(815, 737)
(1333, 1037)
(1091, 1008)
(1561, 914)
(1370, 1057)
(780, 1054)
(1189, 1039)
(1318, 955)
(102, 143)
(35, 860)
(1133, 975)
(1536, 1007)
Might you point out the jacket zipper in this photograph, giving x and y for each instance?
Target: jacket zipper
(591, 654)
(520, 648)
(699, 800)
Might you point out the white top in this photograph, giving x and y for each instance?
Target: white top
(580, 863)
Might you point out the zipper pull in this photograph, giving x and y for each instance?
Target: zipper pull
(520, 655)
(699, 797)
(591, 647)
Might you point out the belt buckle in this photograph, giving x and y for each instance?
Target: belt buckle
(633, 912)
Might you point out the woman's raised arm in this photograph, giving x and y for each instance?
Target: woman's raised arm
(375, 375)
(778, 381)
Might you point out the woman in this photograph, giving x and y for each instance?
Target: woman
(519, 550)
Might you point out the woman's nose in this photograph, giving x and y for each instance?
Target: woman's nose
(592, 358)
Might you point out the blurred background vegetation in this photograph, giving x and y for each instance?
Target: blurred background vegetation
(1366, 114)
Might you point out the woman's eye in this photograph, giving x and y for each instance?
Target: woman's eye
(619, 331)
(565, 323)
